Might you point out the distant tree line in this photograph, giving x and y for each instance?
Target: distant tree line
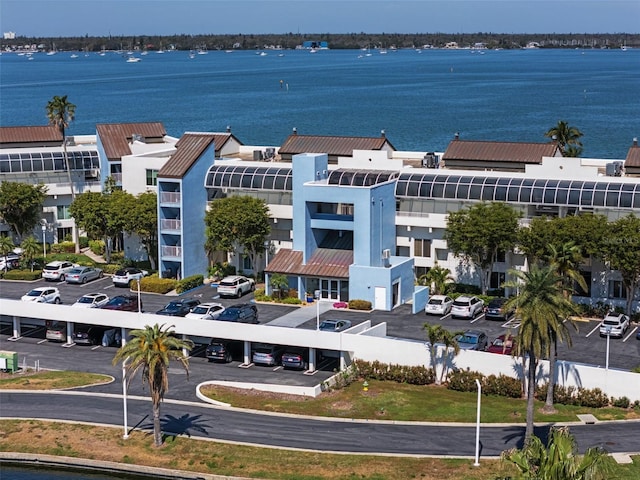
(335, 41)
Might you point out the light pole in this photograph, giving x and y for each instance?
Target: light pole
(477, 464)
(43, 223)
(608, 330)
(316, 294)
(125, 435)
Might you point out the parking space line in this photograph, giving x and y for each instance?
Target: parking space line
(42, 341)
(596, 328)
(630, 334)
(513, 323)
(479, 317)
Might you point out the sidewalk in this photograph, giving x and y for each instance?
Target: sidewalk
(302, 315)
(96, 258)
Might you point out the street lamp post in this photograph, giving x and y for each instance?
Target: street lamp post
(44, 238)
(125, 435)
(477, 463)
(608, 330)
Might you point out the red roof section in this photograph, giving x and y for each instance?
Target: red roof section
(188, 150)
(30, 134)
(325, 262)
(342, 146)
(517, 152)
(115, 137)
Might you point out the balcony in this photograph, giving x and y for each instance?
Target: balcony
(170, 197)
(171, 224)
(169, 251)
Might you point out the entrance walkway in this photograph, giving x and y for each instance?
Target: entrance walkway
(302, 315)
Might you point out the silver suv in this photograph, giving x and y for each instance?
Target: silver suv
(57, 270)
(467, 307)
(236, 286)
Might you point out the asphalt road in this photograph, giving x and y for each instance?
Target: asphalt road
(200, 421)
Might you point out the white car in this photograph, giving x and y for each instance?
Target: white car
(206, 311)
(236, 286)
(57, 270)
(124, 276)
(438, 305)
(466, 306)
(42, 295)
(91, 300)
(614, 324)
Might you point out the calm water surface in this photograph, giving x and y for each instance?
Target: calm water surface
(419, 99)
(21, 473)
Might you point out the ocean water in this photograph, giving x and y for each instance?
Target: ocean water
(420, 99)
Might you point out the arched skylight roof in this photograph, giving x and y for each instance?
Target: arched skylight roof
(27, 162)
(360, 178)
(249, 177)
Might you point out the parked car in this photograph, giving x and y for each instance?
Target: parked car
(236, 286)
(296, 357)
(179, 308)
(112, 338)
(125, 303)
(504, 344)
(264, 354)
(222, 350)
(56, 331)
(242, 313)
(124, 276)
(9, 261)
(89, 334)
(83, 274)
(467, 306)
(614, 324)
(91, 300)
(57, 270)
(334, 325)
(438, 305)
(42, 295)
(496, 311)
(472, 340)
(206, 311)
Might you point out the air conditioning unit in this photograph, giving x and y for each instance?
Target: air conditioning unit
(92, 173)
(257, 155)
(386, 253)
(430, 160)
(269, 153)
(614, 169)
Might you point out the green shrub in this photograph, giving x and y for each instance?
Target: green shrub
(463, 380)
(109, 268)
(291, 301)
(622, 402)
(594, 398)
(359, 304)
(464, 288)
(63, 247)
(189, 283)
(502, 385)
(84, 242)
(157, 285)
(396, 373)
(21, 274)
(96, 247)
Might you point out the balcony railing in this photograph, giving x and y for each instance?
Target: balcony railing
(170, 197)
(171, 251)
(170, 224)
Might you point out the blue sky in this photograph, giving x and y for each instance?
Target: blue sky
(165, 17)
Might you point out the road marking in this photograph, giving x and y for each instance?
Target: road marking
(42, 341)
(596, 328)
(479, 317)
(513, 323)
(630, 334)
(279, 367)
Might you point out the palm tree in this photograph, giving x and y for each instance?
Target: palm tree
(60, 113)
(437, 277)
(434, 336)
(559, 460)
(150, 350)
(567, 137)
(539, 304)
(450, 341)
(30, 248)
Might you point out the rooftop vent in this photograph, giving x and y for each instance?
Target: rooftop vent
(136, 137)
(614, 169)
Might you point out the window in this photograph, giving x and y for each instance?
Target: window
(616, 289)
(246, 263)
(497, 280)
(421, 247)
(420, 271)
(152, 178)
(587, 280)
(63, 212)
(501, 256)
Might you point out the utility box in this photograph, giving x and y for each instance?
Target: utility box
(8, 361)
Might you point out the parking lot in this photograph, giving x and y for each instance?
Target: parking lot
(588, 347)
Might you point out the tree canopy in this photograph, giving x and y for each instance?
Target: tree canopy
(567, 137)
(237, 223)
(479, 233)
(141, 218)
(21, 205)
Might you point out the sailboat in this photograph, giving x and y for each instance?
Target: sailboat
(53, 50)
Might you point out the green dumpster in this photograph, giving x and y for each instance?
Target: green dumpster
(8, 361)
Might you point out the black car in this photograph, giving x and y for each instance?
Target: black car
(496, 311)
(222, 350)
(296, 357)
(243, 313)
(178, 308)
(90, 334)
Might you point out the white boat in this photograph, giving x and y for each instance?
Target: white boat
(133, 59)
(313, 50)
(73, 55)
(202, 51)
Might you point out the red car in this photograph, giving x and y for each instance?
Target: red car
(503, 344)
(127, 303)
